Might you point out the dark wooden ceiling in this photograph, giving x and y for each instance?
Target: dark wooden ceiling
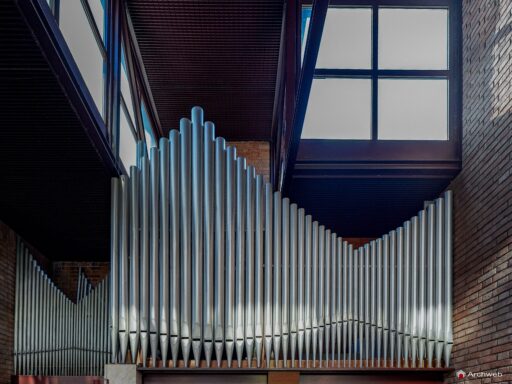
(220, 55)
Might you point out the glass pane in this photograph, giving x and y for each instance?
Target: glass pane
(126, 89)
(80, 39)
(413, 109)
(413, 38)
(346, 39)
(338, 109)
(98, 11)
(148, 129)
(127, 142)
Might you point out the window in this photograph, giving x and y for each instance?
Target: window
(382, 73)
(339, 109)
(127, 141)
(127, 129)
(84, 36)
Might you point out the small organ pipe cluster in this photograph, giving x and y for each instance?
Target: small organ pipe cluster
(54, 335)
(210, 264)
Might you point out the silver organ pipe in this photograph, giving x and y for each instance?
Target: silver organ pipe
(301, 284)
(219, 234)
(276, 304)
(164, 255)
(240, 258)
(208, 261)
(259, 273)
(208, 201)
(293, 283)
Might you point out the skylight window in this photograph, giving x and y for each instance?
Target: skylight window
(339, 109)
(347, 39)
(392, 68)
(413, 38)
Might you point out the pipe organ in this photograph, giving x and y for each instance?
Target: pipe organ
(209, 264)
(54, 335)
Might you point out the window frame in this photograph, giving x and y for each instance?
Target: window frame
(350, 150)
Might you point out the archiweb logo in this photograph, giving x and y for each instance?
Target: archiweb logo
(460, 374)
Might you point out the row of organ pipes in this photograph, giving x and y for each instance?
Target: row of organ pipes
(209, 265)
(54, 335)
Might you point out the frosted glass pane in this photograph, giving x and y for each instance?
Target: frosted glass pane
(125, 91)
(98, 13)
(338, 109)
(127, 142)
(413, 38)
(346, 39)
(413, 109)
(80, 40)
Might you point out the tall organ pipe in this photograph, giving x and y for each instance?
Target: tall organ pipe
(154, 274)
(185, 240)
(240, 258)
(197, 231)
(229, 329)
(268, 314)
(208, 199)
(249, 263)
(134, 261)
(164, 256)
(259, 273)
(220, 220)
(285, 290)
(293, 305)
(301, 284)
(175, 264)
(276, 318)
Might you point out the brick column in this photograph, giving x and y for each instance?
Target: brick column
(483, 195)
(7, 287)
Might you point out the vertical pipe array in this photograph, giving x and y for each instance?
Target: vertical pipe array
(228, 265)
(52, 334)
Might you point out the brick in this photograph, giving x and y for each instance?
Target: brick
(483, 194)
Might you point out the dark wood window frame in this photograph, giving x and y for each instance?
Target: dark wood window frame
(313, 154)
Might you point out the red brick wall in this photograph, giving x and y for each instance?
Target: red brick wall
(483, 195)
(257, 154)
(7, 287)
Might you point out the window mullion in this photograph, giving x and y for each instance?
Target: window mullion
(375, 63)
(94, 28)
